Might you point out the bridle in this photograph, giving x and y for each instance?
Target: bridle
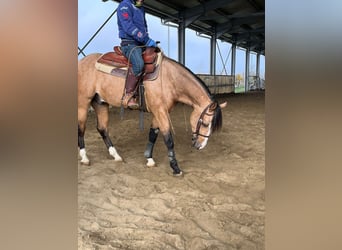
(200, 123)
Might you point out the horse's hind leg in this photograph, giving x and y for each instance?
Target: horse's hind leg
(83, 154)
(102, 110)
(82, 118)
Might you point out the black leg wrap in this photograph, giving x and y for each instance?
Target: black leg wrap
(80, 138)
(105, 137)
(171, 153)
(174, 163)
(169, 141)
(149, 150)
(152, 137)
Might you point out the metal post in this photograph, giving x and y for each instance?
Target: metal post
(232, 69)
(258, 71)
(247, 70)
(181, 42)
(213, 55)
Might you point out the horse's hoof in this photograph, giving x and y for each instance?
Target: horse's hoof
(118, 159)
(85, 163)
(114, 154)
(150, 162)
(178, 174)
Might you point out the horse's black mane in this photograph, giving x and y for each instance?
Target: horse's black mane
(217, 119)
(197, 78)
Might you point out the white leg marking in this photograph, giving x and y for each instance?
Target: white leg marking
(116, 156)
(84, 158)
(150, 162)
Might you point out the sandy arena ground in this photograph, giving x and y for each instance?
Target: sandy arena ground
(219, 203)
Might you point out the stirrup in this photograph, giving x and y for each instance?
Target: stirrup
(128, 101)
(132, 103)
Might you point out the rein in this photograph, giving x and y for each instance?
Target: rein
(200, 122)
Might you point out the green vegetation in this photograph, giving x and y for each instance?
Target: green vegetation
(239, 89)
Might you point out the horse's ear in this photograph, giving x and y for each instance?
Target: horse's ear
(223, 105)
(213, 106)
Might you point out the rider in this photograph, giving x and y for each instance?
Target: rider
(134, 36)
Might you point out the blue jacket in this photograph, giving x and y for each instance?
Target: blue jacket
(131, 22)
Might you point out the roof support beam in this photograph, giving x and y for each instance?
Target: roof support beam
(255, 44)
(247, 36)
(254, 4)
(259, 30)
(190, 20)
(190, 15)
(234, 16)
(235, 24)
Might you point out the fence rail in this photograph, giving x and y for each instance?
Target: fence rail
(218, 84)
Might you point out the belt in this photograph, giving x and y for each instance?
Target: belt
(127, 42)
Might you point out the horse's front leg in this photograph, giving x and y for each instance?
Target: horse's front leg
(160, 123)
(171, 153)
(152, 137)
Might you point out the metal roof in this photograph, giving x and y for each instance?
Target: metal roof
(234, 21)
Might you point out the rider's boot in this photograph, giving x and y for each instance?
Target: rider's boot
(129, 100)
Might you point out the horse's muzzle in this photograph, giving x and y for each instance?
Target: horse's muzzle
(195, 143)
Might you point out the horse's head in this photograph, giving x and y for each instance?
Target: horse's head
(205, 122)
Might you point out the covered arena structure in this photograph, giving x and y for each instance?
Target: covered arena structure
(240, 23)
(219, 202)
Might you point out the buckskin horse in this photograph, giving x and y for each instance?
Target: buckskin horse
(173, 83)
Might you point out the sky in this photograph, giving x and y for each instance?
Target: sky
(93, 13)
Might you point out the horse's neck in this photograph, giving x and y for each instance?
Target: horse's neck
(188, 88)
(193, 97)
